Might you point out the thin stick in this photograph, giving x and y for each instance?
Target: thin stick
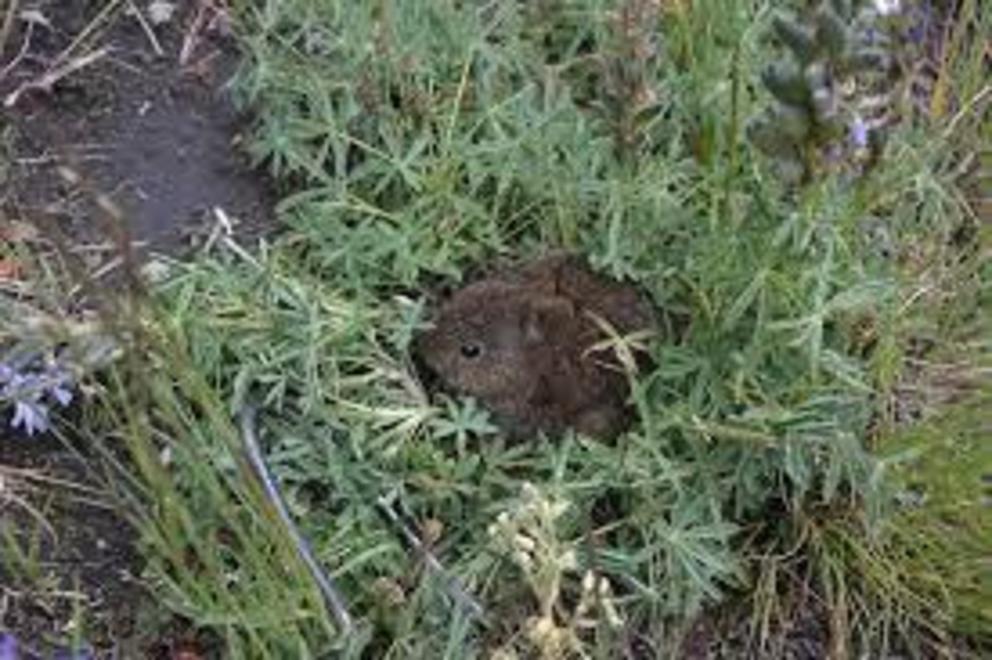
(28, 32)
(149, 32)
(86, 31)
(450, 583)
(8, 23)
(38, 516)
(968, 107)
(332, 597)
(55, 74)
(190, 38)
(29, 474)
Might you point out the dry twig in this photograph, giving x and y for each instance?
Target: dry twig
(450, 583)
(56, 73)
(8, 23)
(149, 32)
(332, 597)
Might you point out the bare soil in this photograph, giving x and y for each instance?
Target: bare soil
(161, 140)
(86, 564)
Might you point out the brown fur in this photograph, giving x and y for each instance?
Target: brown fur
(517, 341)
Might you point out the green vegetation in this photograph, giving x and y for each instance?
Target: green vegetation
(775, 470)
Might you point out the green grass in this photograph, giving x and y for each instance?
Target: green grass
(414, 140)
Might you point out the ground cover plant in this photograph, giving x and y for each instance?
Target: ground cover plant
(787, 490)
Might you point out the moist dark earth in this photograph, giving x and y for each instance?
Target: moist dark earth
(87, 560)
(161, 140)
(158, 137)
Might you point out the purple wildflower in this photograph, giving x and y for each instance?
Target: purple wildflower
(916, 33)
(923, 22)
(61, 394)
(858, 132)
(30, 415)
(8, 647)
(67, 654)
(29, 391)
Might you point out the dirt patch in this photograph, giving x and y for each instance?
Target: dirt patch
(74, 575)
(161, 140)
(158, 137)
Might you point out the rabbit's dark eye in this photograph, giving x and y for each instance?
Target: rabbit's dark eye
(471, 350)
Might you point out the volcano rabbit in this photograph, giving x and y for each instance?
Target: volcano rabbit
(519, 342)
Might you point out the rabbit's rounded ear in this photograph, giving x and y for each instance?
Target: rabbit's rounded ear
(542, 315)
(544, 275)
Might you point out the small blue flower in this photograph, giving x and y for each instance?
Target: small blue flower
(921, 19)
(30, 387)
(8, 647)
(859, 133)
(68, 654)
(61, 394)
(30, 415)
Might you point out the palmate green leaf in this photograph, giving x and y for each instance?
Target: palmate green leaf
(792, 123)
(867, 59)
(786, 82)
(798, 38)
(689, 550)
(766, 134)
(831, 32)
(463, 422)
(844, 8)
